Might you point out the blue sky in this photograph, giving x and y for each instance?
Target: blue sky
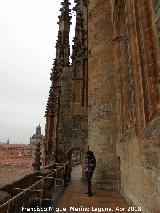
(28, 32)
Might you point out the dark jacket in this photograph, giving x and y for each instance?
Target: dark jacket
(90, 164)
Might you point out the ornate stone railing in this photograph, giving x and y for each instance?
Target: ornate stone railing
(37, 193)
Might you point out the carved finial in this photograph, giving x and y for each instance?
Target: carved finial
(37, 160)
(65, 12)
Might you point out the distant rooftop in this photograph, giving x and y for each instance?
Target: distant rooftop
(13, 145)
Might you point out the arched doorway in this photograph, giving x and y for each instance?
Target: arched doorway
(76, 157)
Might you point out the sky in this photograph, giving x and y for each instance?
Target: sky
(28, 32)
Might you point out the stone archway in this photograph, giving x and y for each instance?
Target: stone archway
(70, 152)
(82, 150)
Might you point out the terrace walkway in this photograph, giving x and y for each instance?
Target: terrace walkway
(74, 196)
(50, 195)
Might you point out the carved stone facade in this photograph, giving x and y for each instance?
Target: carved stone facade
(109, 97)
(138, 78)
(66, 113)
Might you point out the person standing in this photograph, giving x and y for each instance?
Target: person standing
(90, 165)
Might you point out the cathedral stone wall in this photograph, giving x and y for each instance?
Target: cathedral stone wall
(123, 96)
(139, 182)
(109, 98)
(72, 129)
(137, 102)
(66, 111)
(101, 93)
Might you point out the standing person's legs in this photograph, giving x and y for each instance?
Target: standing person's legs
(89, 184)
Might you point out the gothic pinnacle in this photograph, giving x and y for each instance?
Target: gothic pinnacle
(62, 45)
(65, 12)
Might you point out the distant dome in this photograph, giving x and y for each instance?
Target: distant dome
(38, 134)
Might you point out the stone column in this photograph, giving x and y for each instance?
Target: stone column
(101, 93)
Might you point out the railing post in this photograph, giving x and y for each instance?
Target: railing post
(69, 170)
(42, 193)
(55, 183)
(65, 175)
(8, 208)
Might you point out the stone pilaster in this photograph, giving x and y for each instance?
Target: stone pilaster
(101, 92)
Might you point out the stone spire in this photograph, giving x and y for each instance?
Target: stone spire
(62, 56)
(80, 40)
(51, 107)
(62, 45)
(80, 54)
